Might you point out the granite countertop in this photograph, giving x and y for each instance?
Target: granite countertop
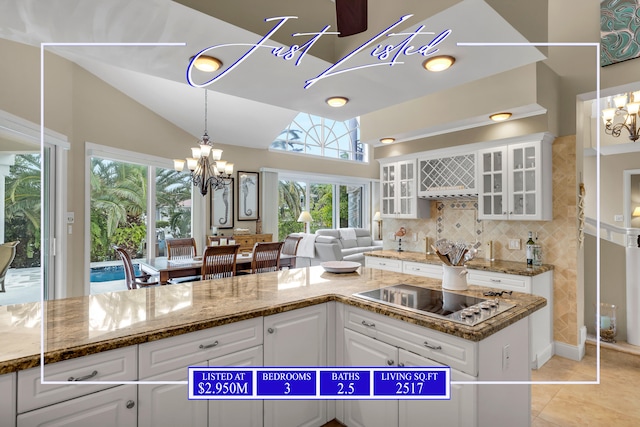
(497, 266)
(80, 326)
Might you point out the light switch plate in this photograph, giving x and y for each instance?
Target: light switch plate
(514, 243)
(618, 218)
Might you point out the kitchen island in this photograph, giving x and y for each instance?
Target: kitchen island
(93, 326)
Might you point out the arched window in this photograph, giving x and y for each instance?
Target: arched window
(318, 136)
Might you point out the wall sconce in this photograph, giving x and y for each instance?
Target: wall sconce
(378, 218)
(306, 218)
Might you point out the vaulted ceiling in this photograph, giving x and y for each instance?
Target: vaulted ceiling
(262, 89)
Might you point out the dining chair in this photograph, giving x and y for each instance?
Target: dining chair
(290, 247)
(266, 257)
(219, 261)
(181, 248)
(131, 280)
(7, 254)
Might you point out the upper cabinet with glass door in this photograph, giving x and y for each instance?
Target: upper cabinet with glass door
(399, 198)
(515, 182)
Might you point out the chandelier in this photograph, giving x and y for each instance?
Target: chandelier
(207, 170)
(628, 112)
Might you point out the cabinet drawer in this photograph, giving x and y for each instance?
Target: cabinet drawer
(114, 365)
(383, 263)
(509, 282)
(184, 350)
(113, 407)
(420, 269)
(446, 349)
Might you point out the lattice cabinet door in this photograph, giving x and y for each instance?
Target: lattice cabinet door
(448, 176)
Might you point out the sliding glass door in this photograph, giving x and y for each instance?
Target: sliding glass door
(122, 215)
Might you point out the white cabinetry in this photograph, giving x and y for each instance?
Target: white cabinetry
(113, 407)
(540, 322)
(447, 176)
(8, 401)
(422, 269)
(459, 411)
(296, 338)
(114, 365)
(398, 195)
(371, 339)
(515, 181)
(235, 344)
(383, 263)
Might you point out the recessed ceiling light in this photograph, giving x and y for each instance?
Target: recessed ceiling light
(500, 117)
(337, 101)
(206, 63)
(439, 63)
(387, 140)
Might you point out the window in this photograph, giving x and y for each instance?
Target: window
(135, 204)
(318, 136)
(330, 205)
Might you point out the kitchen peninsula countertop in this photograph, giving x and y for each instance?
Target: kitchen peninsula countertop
(80, 326)
(497, 266)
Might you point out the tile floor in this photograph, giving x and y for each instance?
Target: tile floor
(613, 402)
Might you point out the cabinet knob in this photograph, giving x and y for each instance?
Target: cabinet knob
(84, 378)
(401, 365)
(130, 404)
(390, 362)
(368, 324)
(206, 346)
(271, 330)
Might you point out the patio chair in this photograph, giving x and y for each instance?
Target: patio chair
(131, 280)
(7, 254)
(182, 248)
(290, 247)
(266, 257)
(219, 262)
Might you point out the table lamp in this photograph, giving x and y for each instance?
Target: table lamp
(306, 218)
(377, 217)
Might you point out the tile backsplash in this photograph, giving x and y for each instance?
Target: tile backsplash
(456, 219)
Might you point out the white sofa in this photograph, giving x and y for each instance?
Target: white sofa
(348, 244)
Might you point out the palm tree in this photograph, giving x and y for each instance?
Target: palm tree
(290, 201)
(118, 200)
(23, 209)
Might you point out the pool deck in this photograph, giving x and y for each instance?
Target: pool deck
(23, 285)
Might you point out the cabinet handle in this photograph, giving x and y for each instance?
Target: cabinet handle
(368, 325)
(204, 347)
(431, 346)
(86, 377)
(390, 362)
(495, 280)
(130, 404)
(271, 330)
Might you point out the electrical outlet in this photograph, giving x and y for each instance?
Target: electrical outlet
(618, 218)
(70, 218)
(506, 355)
(514, 244)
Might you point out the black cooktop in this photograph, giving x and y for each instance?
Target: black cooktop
(459, 308)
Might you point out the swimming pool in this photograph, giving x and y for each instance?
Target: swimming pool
(110, 272)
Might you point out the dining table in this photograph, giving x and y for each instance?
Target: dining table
(185, 267)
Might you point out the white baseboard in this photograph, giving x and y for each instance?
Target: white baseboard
(543, 357)
(572, 352)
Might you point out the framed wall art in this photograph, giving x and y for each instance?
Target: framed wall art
(222, 206)
(248, 196)
(619, 31)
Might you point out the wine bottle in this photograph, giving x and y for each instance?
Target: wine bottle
(530, 244)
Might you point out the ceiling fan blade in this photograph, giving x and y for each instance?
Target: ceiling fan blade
(351, 16)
